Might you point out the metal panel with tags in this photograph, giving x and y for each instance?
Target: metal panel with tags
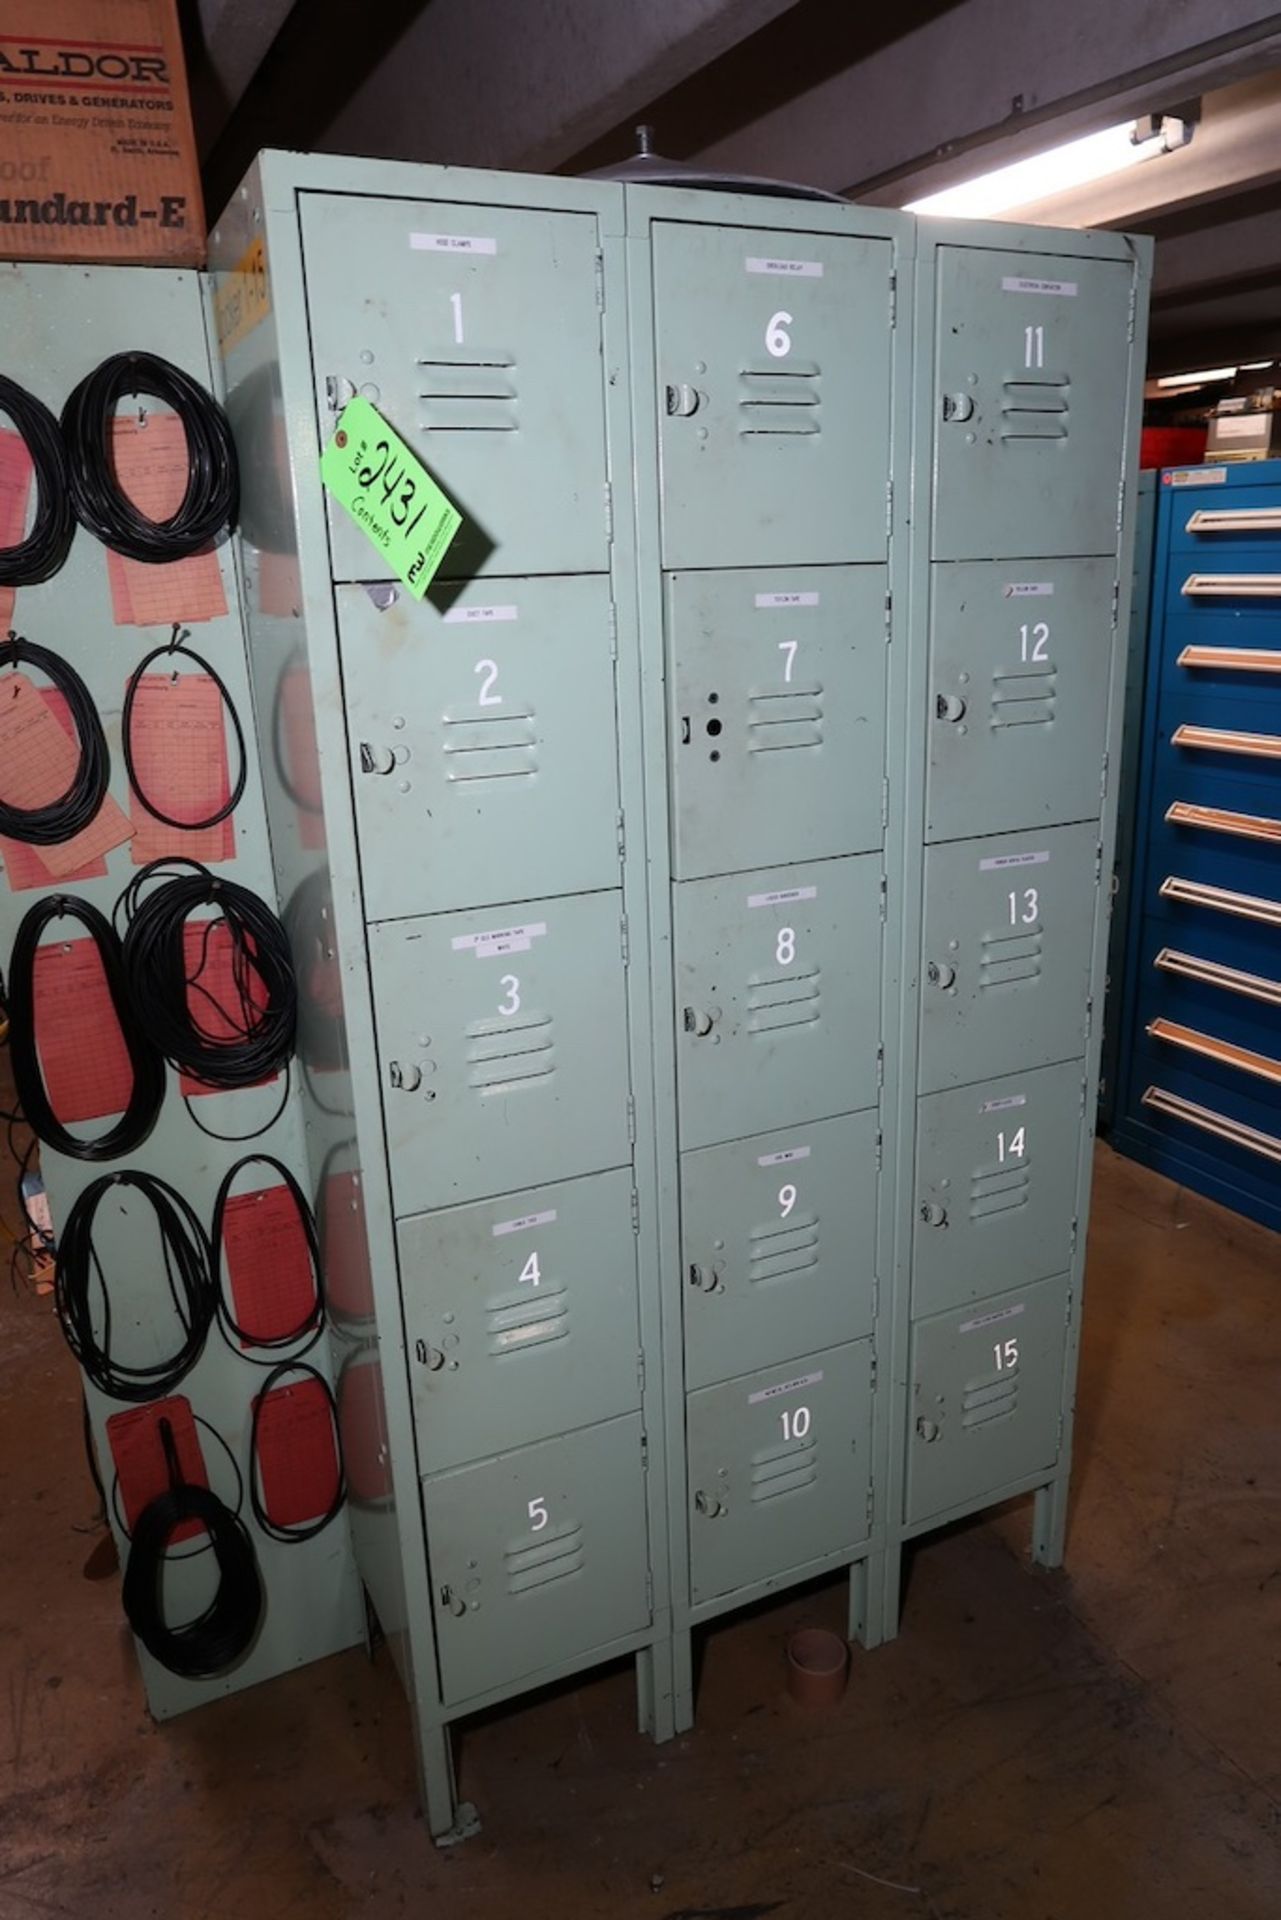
(777, 996)
(1019, 677)
(476, 332)
(779, 1468)
(773, 395)
(502, 1043)
(779, 1240)
(1033, 370)
(1008, 936)
(538, 1555)
(987, 1388)
(475, 727)
(521, 1316)
(996, 1168)
(776, 714)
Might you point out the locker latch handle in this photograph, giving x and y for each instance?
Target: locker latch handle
(949, 706)
(709, 1506)
(376, 759)
(454, 1601)
(430, 1357)
(940, 974)
(696, 1022)
(683, 400)
(708, 1278)
(958, 406)
(405, 1075)
(933, 1215)
(927, 1429)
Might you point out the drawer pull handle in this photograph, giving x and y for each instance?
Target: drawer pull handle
(1213, 973)
(1261, 746)
(1235, 520)
(1234, 1131)
(1249, 826)
(1233, 586)
(1226, 1051)
(1233, 659)
(1245, 906)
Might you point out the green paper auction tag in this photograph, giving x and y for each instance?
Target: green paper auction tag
(389, 494)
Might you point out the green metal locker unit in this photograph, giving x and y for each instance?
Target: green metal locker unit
(1028, 378)
(770, 401)
(456, 793)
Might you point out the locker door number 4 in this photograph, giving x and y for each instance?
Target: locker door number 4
(531, 1273)
(1006, 1353)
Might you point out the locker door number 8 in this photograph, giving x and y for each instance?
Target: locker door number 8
(785, 947)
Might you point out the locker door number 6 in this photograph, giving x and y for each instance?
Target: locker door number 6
(778, 341)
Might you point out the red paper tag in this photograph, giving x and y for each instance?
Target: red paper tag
(139, 1456)
(362, 1419)
(180, 757)
(23, 863)
(37, 764)
(16, 473)
(344, 1249)
(83, 1057)
(150, 461)
(297, 1452)
(213, 995)
(273, 1287)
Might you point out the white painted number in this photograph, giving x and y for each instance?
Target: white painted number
(778, 341)
(1034, 346)
(456, 302)
(510, 1003)
(1034, 640)
(1014, 1149)
(538, 1515)
(1007, 1355)
(785, 946)
(490, 670)
(1031, 907)
(789, 648)
(786, 1200)
(795, 1423)
(531, 1273)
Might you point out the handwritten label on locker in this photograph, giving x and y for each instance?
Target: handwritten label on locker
(783, 898)
(990, 1319)
(16, 473)
(219, 1009)
(526, 1221)
(389, 494)
(452, 243)
(786, 600)
(1027, 589)
(1004, 1106)
(23, 864)
(783, 1159)
(1001, 862)
(83, 1057)
(268, 1263)
(784, 1386)
(151, 462)
(138, 1453)
(1013, 283)
(479, 616)
(180, 753)
(38, 761)
(501, 940)
(297, 1462)
(786, 269)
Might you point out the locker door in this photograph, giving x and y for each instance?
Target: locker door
(773, 395)
(474, 731)
(1031, 403)
(779, 1243)
(520, 1316)
(996, 1172)
(779, 1468)
(987, 1391)
(537, 1556)
(1009, 926)
(778, 988)
(776, 692)
(1020, 662)
(502, 1043)
(476, 333)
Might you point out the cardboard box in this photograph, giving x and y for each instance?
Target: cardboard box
(97, 153)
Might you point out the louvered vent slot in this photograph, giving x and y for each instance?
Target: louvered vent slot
(484, 747)
(779, 721)
(1035, 409)
(1010, 957)
(1001, 1190)
(989, 1399)
(468, 396)
(778, 400)
(784, 1248)
(773, 1004)
(1024, 699)
(786, 1468)
(505, 1054)
(546, 1560)
(512, 1326)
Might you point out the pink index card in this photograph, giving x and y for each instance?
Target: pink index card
(150, 459)
(24, 864)
(83, 1058)
(180, 757)
(16, 473)
(37, 765)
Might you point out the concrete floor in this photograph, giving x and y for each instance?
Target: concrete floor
(1104, 1742)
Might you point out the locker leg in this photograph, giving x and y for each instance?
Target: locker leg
(1049, 1522)
(892, 1590)
(654, 1705)
(867, 1600)
(683, 1680)
(448, 1820)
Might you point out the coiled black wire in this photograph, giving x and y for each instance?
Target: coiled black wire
(44, 549)
(310, 1528)
(188, 1271)
(77, 808)
(171, 648)
(148, 1090)
(218, 1636)
(211, 501)
(309, 1327)
(158, 980)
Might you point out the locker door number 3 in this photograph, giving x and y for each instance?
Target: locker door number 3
(510, 1002)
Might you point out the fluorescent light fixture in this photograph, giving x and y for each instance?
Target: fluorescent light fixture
(1254, 366)
(1074, 164)
(1197, 379)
